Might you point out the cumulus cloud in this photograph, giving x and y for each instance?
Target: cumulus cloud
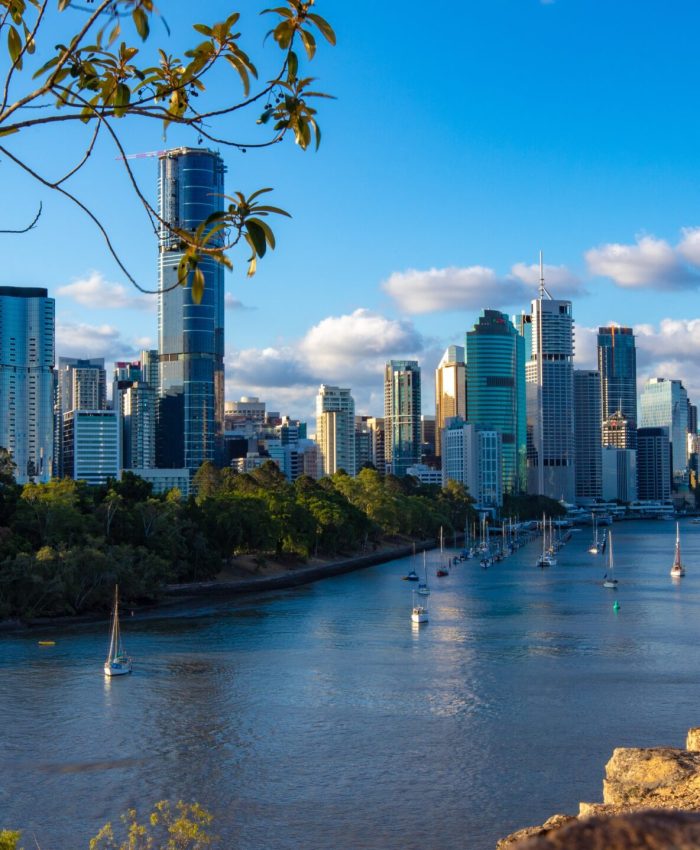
(475, 287)
(650, 263)
(350, 350)
(96, 292)
(83, 340)
(232, 303)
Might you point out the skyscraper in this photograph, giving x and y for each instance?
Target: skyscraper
(550, 397)
(617, 364)
(27, 331)
(190, 335)
(335, 429)
(588, 443)
(496, 390)
(450, 390)
(653, 464)
(402, 409)
(664, 403)
(81, 384)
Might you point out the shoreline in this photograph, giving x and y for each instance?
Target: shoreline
(176, 594)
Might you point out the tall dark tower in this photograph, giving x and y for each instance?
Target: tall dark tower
(617, 364)
(190, 336)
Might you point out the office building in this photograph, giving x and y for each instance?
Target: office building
(618, 431)
(375, 426)
(450, 390)
(402, 411)
(619, 474)
(617, 364)
(664, 404)
(588, 444)
(427, 437)
(653, 464)
(27, 332)
(495, 372)
(549, 374)
(81, 384)
(472, 455)
(335, 429)
(91, 445)
(190, 335)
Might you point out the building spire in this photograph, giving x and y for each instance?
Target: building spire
(542, 288)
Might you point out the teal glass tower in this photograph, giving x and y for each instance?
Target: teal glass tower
(190, 335)
(402, 408)
(496, 390)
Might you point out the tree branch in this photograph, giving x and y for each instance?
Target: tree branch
(29, 226)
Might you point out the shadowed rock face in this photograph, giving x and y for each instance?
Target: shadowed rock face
(651, 801)
(648, 830)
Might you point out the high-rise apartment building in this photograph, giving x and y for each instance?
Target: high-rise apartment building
(27, 332)
(81, 384)
(450, 390)
(617, 364)
(588, 443)
(375, 426)
(134, 400)
(190, 335)
(402, 410)
(472, 455)
(653, 464)
(549, 374)
(91, 445)
(335, 429)
(496, 390)
(664, 404)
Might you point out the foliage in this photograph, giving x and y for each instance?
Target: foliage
(183, 826)
(109, 72)
(531, 507)
(9, 839)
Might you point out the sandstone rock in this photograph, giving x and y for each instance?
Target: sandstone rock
(660, 776)
(646, 830)
(555, 822)
(692, 742)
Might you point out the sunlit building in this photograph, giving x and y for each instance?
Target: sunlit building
(402, 410)
(617, 364)
(664, 404)
(450, 390)
(335, 429)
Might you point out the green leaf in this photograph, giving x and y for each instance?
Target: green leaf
(266, 229)
(309, 43)
(257, 236)
(141, 22)
(204, 30)
(324, 27)
(14, 45)
(292, 64)
(197, 285)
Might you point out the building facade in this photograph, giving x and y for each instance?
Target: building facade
(664, 404)
(619, 474)
(617, 365)
(335, 429)
(495, 370)
(402, 411)
(549, 374)
(190, 334)
(27, 338)
(653, 464)
(450, 390)
(81, 384)
(587, 402)
(472, 455)
(91, 446)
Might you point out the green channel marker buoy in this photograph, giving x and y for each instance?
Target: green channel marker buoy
(616, 605)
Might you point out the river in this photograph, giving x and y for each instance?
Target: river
(319, 717)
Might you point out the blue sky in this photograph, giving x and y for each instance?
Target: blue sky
(464, 138)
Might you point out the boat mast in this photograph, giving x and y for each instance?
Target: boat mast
(677, 560)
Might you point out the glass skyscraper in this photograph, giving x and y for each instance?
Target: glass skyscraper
(450, 391)
(190, 335)
(664, 404)
(617, 364)
(402, 404)
(496, 390)
(27, 335)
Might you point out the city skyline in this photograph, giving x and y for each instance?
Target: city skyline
(546, 147)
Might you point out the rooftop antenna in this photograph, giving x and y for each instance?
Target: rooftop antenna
(543, 289)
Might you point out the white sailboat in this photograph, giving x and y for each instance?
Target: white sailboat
(609, 579)
(419, 612)
(118, 662)
(677, 570)
(545, 560)
(594, 548)
(423, 587)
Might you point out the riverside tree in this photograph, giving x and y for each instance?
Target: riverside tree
(110, 71)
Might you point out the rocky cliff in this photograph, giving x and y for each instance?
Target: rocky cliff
(651, 799)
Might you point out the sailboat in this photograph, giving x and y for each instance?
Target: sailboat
(443, 569)
(423, 588)
(608, 579)
(594, 548)
(118, 662)
(677, 570)
(419, 612)
(412, 575)
(545, 560)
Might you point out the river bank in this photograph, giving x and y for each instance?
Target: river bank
(238, 579)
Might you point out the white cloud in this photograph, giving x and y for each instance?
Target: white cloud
(83, 340)
(96, 292)
(476, 287)
(232, 303)
(650, 263)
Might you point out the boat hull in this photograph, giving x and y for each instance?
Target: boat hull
(419, 616)
(117, 669)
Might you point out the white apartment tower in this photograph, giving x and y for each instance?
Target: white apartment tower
(335, 429)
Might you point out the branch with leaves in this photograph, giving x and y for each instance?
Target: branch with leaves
(98, 79)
